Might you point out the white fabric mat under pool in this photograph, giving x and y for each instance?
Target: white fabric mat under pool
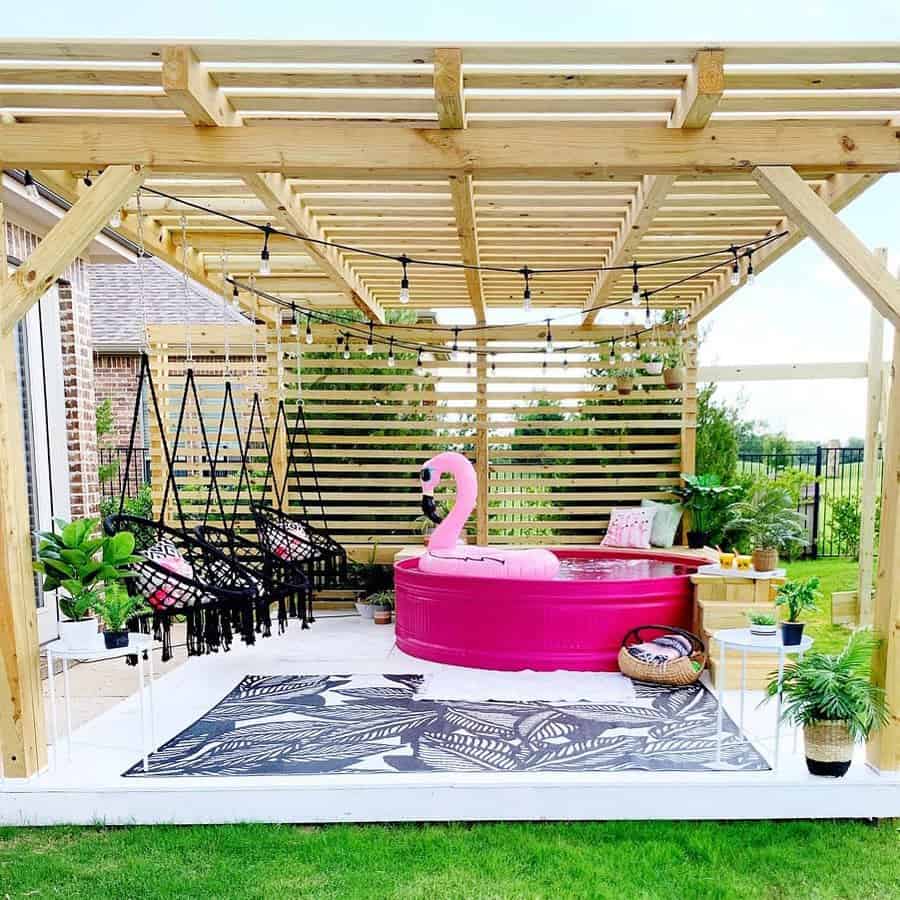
(543, 687)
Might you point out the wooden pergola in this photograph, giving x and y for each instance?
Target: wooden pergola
(488, 154)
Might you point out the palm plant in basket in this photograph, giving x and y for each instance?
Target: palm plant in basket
(832, 696)
(770, 522)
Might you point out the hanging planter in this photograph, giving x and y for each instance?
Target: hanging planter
(653, 367)
(674, 377)
(624, 384)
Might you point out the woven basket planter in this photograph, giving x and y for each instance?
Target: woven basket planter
(765, 560)
(675, 672)
(829, 748)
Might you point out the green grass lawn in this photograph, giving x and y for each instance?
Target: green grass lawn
(597, 860)
(670, 860)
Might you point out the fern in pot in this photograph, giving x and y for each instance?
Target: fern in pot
(770, 522)
(116, 607)
(833, 698)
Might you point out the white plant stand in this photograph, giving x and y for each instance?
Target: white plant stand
(138, 644)
(741, 639)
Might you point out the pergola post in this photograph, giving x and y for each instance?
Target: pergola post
(870, 484)
(22, 740)
(884, 747)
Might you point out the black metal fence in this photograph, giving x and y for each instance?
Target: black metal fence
(828, 483)
(113, 474)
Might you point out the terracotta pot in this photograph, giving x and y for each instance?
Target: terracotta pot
(829, 748)
(674, 378)
(383, 616)
(765, 559)
(624, 386)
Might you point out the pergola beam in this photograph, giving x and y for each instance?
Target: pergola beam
(837, 192)
(274, 191)
(651, 195)
(804, 207)
(449, 100)
(191, 88)
(702, 91)
(65, 240)
(464, 213)
(596, 151)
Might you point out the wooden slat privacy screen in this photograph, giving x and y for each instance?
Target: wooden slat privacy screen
(560, 447)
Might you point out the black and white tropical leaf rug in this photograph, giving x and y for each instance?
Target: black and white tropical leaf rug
(352, 724)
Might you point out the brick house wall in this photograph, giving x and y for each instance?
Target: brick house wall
(115, 379)
(78, 378)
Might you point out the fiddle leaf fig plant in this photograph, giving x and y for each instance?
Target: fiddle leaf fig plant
(78, 559)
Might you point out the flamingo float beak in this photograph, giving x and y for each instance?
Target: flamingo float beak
(429, 507)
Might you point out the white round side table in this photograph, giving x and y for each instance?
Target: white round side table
(138, 644)
(741, 639)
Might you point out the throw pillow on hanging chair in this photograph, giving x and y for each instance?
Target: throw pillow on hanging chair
(165, 593)
(294, 541)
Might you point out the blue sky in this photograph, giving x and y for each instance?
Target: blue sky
(801, 310)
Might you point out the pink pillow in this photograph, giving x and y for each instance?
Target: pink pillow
(629, 527)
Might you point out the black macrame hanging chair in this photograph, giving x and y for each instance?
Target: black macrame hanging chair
(216, 596)
(282, 532)
(276, 579)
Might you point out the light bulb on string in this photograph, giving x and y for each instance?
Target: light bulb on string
(635, 287)
(115, 220)
(391, 359)
(339, 342)
(549, 338)
(88, 181)
(647, 315)
(493, 364)
(309, 334)
(526, 293)
(468, 365)
(420, 369)
(295, 330)
(235, 296)
(565, 358)
(404, 281)
(346, 346)
(456, 342)
(370, 343)
(265, 265)
(751, 275)
(31, 188)
(612, 352)
(735, 277)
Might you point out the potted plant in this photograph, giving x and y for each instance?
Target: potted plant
(673, 368)
(798, 596)
(762, 624)
(115, 607)
(653, 362)
(706, 498)
(833, 698)
(370, 577)
(364, 607)
(625, 381)
(78, 559)
(770, 522)
(383, 607)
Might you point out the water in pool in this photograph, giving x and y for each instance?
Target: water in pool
(587, 568)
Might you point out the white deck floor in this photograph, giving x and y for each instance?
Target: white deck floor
(90, 789)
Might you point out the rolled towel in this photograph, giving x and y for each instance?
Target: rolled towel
(652, 653)
(676, 642)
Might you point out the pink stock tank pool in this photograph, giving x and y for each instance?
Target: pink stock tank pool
(575, 620)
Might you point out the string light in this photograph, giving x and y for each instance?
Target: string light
(115, 220)
(88, 181)
(635, 287)
(565, 358)
(735, 278)
(391, 360)
(526, 294)
(31, 189)
(612, 351)
(549, 338)
(647, 314)
(751, 275)
(404, 281)
(294, 321)
(339, 341)
(265, 266)
(370, 343)
(347, 346)
(456, 340)
(420, 369)
(468, 365)
(309, 334)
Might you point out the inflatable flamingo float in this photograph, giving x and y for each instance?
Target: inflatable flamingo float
(446, 555)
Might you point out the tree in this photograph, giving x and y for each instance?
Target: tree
(719, 429)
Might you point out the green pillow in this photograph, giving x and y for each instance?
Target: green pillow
(665, 522)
